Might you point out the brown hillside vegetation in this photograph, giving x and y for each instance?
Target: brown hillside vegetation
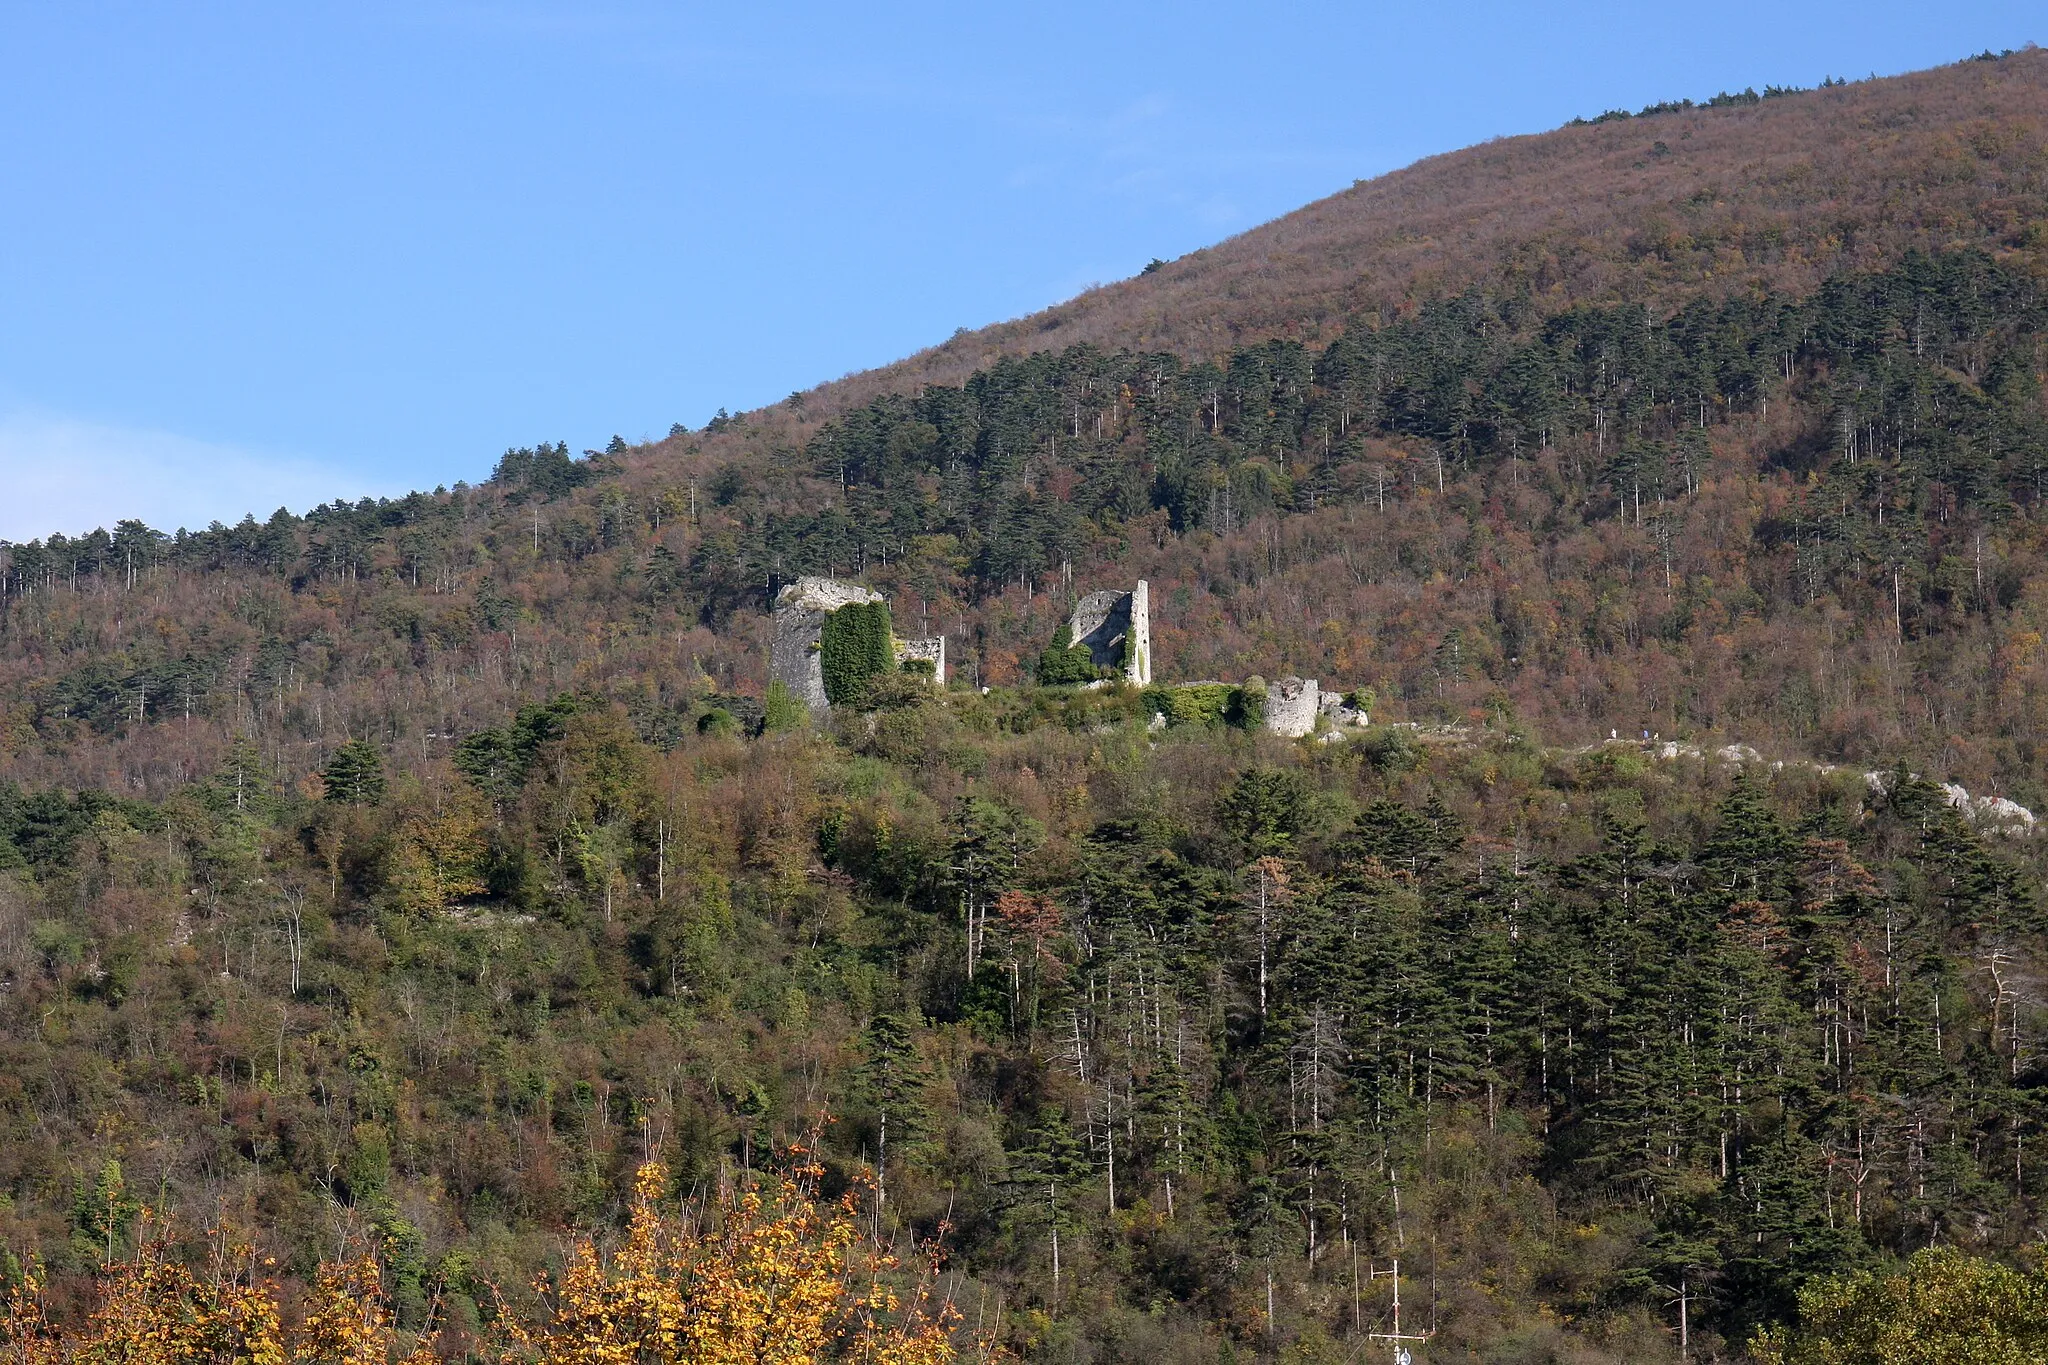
(1351, 559)
(428, 876)
(1770, 196)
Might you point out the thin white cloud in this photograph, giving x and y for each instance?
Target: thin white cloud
(62, 474)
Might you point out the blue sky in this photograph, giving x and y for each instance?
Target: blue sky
(255, 254)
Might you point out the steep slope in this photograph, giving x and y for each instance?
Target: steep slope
(1748, 201)
(1285, 526)
(413, 870)
(1775, 195)
(1770, 195)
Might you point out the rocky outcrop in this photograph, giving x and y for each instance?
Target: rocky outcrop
(1998, 809)
(1116, 629)
(1999, 812)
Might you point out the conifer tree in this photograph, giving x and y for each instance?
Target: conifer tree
(355, 774)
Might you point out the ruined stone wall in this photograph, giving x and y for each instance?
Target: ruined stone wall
(1338, 710)
(1292, 705)
(1138, 659)
(1116, 629)
(800, 612)
(933, 650)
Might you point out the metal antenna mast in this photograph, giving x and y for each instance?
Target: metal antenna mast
(1397, 1336)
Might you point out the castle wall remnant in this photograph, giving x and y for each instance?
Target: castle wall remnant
(932, 651)
(1337, 708)
(794, 657)
(1292, 705)
(800, 612)
(1117, 629)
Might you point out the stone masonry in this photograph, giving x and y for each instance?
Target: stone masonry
(800, 612)
(1292, 705)
(933, 651)
(1117, 629)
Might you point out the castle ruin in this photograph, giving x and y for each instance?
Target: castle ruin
(1116, 627)
(795, 653)
(1292, 705)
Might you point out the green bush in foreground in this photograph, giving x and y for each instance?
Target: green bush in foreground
(1064, 663)
(1209, 704)
(1944, 1308)
(782, 710)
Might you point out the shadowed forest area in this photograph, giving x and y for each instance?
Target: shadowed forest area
(409, 874)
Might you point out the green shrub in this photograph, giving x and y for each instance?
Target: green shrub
(783, 711)
(1942, 1306)
(1203, 704)
(855, 645)
(1390, 750)
(1248, 704)
(1065, 663)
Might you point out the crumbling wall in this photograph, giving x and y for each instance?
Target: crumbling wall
(1337, 708)
(1291, 706)
(1116, 629)
(794, 657)
(800, 612)
(1138, 657)
(933, 651)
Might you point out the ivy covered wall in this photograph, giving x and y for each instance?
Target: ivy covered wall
(855, 645)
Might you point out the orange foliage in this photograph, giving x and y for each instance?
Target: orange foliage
(770, 1282)
(762, 1280)
(154, 1310)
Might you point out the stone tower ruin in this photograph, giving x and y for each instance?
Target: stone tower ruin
(1117, 629)
(795, 658)
(1292, 705)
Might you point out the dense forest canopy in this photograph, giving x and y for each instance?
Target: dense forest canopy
(418, 869)
(1738, 519)
(1222, 1018)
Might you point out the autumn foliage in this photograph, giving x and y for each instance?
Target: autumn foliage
(758, 1276)
(1673, 493)
(153, 1307)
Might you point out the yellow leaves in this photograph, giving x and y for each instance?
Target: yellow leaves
(440, 852)
(153, 1309)
(346, 1322)
(761, 1281)
(761, 1277)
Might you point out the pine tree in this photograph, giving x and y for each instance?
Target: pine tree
(1265, 809)
(891, 1082)
(1045, 1170)
(355, 774)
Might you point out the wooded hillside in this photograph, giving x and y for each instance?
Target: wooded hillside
(420, 868)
